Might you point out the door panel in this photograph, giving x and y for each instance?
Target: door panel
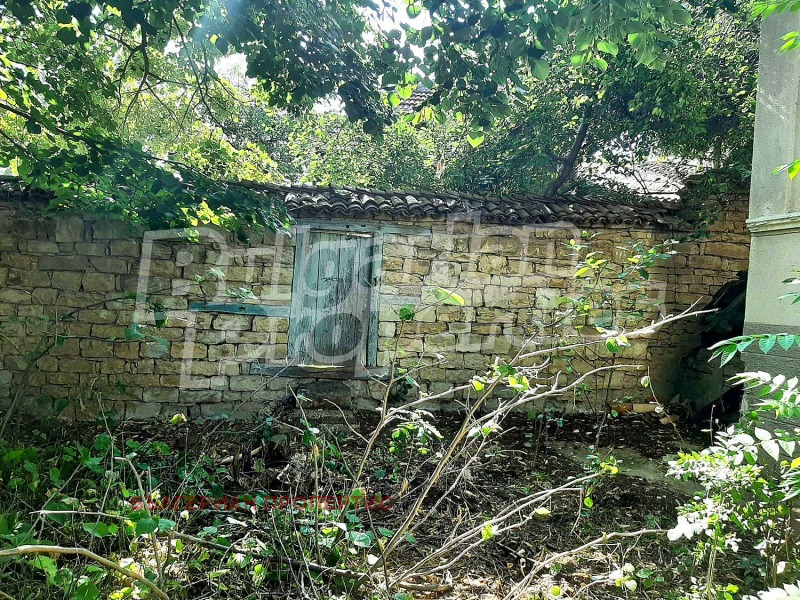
(330, 318)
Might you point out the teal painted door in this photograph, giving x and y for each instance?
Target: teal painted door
(330, 317)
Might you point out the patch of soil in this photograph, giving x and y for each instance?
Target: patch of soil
(642, 433)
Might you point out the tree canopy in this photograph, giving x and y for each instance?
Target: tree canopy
(121, 105)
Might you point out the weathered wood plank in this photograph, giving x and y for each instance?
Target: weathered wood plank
(376, 260)
(339, 225)
(240, 309)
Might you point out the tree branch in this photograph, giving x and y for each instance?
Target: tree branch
(568, 162)
(31, 549)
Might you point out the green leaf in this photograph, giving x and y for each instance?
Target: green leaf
(772, 448)
(487, 532)
(579, 59)
(608, 46)
(727, 354)
(681, 16)
(100, 530)
(46, 564)
(447, 297)
(786, 341)
(599, 63)
(582, 271)
(146, 525)
(475, 138)
(134, 332)
(165, 524)
(407, 312)
(794, 169)
(87, 591)
(541, 70)
(766, 344)
(588, 502)
(359, 539)
(67, 35)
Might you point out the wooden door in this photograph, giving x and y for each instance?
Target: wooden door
(330, 317)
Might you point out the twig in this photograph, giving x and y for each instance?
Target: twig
(606, 537)
(156, 550)
(31, 549)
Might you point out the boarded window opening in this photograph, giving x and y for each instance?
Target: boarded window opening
(334, 276)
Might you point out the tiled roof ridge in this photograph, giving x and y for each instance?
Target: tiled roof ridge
(304, 200)
(609, 203)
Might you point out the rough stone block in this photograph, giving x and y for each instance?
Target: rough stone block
(188, 350)
(63, 263)
(124, 248)
(13, 296)
(494, 265)
(233, 322)
(141, 411)
(91, 248)
(200, 396)
(77, 365)
(70, 229)
(66, 281)
(96, 349)
(271, 324)
(108, 264)
(727, 250)
(507, 245)
(247, 383)
(442, 342)
(41, 247)
(98, 282)
(221, 352)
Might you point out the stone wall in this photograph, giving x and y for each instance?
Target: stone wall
(207, 362)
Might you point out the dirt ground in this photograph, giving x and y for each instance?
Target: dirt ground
(527, 456)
